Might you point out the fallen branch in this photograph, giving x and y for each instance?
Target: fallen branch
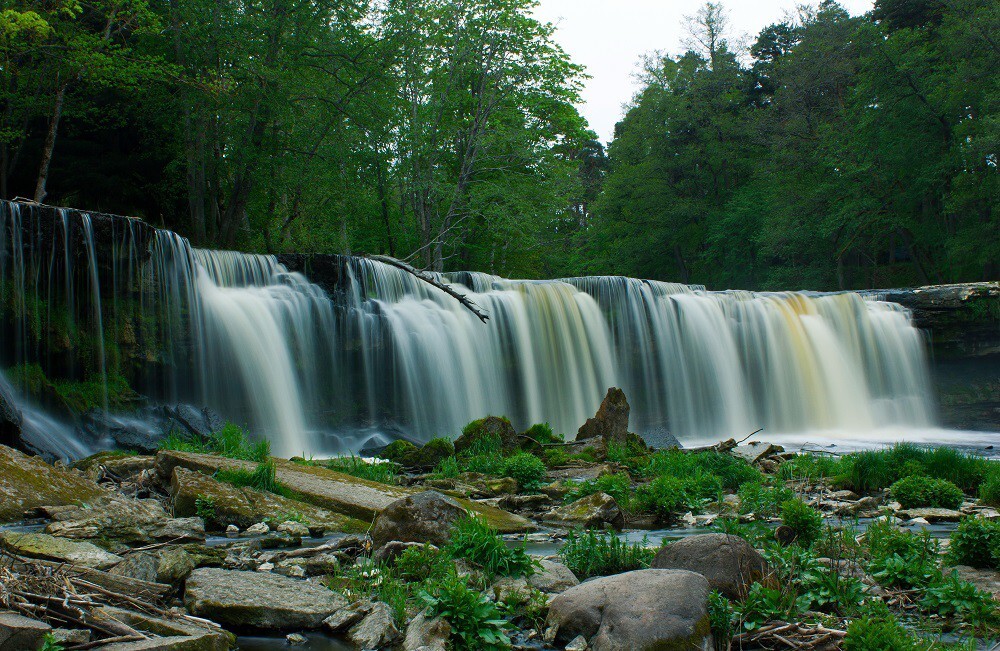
(431, 280)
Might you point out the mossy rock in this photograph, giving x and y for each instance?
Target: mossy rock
(430, 455)
(51, 548)
(488, 435)
(397, 450)
(27, 483)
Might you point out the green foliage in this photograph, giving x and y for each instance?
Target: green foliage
(204, 506)
(763, 500)
(475, 621)
(477, 542)
(542, 434)
(483, 441)
(263, 478)
(757, 533)
(488, 464)
(960, 599)
(447, 469)
(804, 520)
(878, 631)
(989, 490)
(976, 542)
(50, 643)
(386, 473)
(527, 469)
(617, 485)
(720, 614)
(710, 469)
(765, 604)
(529, 607)
(810, 467)
(420, 564)
(666, 497)
(376, 582)
(396, 450)
(830, 591)
(231, 441)
(916, 491)
(874, 470)
(598, 553)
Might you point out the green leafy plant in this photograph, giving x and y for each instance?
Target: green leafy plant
(828, 590)
(989, 490)
(384, 472)
(666, 497)
(528, 607)
(756, 532)
(810, 467)
(447, 469)
(527, 469)
(878, 630)
(804, 520)
(763, 500)
(50, 643)
(476, 541)
(204, 506)
(420, 564)
(720, 615)
(597, 553)
(953, 597)
(487, 464)
(617, 485)
(476, 623)
(976, 542)
(764, 604)
(916, 492)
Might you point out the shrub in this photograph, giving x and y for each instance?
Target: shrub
(420, 564)
(884, 540)
(879, 631)
(764, 604)
(804, 520)
(976, 542)
(527, 469)
(617, 485)
(542, 433)
(915, 492)
(720, 615)
(713, 469)
(989, 490)
(665, 497)
(763, 500)
(874, 470)
(809, 466)
(598, 553)
(487, 464)
(954, 597)
(447, 469)
(477, 542)
(476, 624)
(204, 506)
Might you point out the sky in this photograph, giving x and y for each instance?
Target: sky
(610, 37)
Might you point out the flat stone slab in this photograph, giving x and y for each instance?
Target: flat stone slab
(988, 580)
(51, 548)
(20, 632)
(259, 599)
(352, 496)
(27, 483)
(931, 515)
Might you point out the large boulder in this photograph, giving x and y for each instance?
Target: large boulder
(611, 422)
(730, 563)
(376, 630)
(50, 548)
(172, 634)
(427, 634)
(486, 434)
(258, 599)
(27, 483)
(644, 610)
(422, 518)
(594, 511)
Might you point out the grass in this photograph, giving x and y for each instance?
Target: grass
(231, 441)
(874, 470)
(598, 553)
(262, 478)
(476, 541)
(382, 472)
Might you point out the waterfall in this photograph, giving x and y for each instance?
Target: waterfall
(105, 302)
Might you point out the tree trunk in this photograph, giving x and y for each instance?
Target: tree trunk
(50, 145)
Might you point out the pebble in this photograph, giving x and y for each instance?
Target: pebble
(232, 531)
(258, 529)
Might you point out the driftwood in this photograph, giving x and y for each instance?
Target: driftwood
(723, 446)
(431, 280)
(782, 635)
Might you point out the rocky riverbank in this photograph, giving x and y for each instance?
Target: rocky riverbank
(209, 538)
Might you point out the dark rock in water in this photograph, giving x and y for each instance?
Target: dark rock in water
(145, 429)
(611, 421)
(660, 438)
(730, 563)
(487, 431)
(10, 417)
(422, 518)
(199, 422)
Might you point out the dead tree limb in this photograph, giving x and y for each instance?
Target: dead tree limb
(431, 280)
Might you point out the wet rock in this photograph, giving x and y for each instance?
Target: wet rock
(27, 483)
(524, 502)
(579, 643)
(427, 634)
(553, 577)
(174, 565)
(295, 639)
(644, 610)
(594, 511)
(843, 496)
(10, 416)
(51, 548)
(256, 599)
(487, 431)
(232, 530)
(258, 529)
(730, 563)
(611, 421)
(115, 464)
(68, 636)
(139, 565)
(348, 616)
(931, 515)
(19, 632)
(756, 451)
(376, 630)
(422, 518)
(660, 438)
(294, 529)
(507, 589)
(322, 565)
(132, 522)
(169, 634)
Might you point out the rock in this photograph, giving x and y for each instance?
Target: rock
(294, 529)
(125, 466)
(128, 521)
(730, 563)
(422, 518)
(425, 634)
(260, 600)
(988, 580)
(931, 515)
(486, 432)
(611, 421)
(327, 489)
(10, 416)
(295, 639)
(524, 502)
(553, 577)
(138, 565)
(376, 630)
(756, 451)
(352, 614)
(232, 531)
(170, 634)
(644, 610)
(593, 511)
(390, 551)
(843, 496)
(28, 482)
(50, 548)
(244, 507)
(507, 589)
(174, 565)
(68, 636)
(579, 643)
(322, 564)
(660, 438)
(18, 632)
(258, 529)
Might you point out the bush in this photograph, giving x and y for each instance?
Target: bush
(989, 490)
(804, 520)
(765, 604)
(665, 497)
(527, 469)
(809, 466)
(976, 542)
(447, 469)
(960, 599)
(476, 624)
(720, 615)
(542, 433)
(763, 500)
(878, 632)
(874, 470)
(617, 485)
(487, 464)
(383, 472)
(916, 492)
(598, 553)
(477, 542)
(713, 470)
(420, 564)
(396, 450)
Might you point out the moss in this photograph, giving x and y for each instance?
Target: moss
(396, 450)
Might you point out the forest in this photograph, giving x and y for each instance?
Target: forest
(830, 152)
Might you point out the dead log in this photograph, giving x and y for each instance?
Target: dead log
(431, 280)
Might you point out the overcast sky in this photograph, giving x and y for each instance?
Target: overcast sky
(609, 37)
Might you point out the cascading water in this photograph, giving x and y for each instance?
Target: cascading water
(386, 353)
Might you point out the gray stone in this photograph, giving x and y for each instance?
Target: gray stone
(138, 565)
(258, 529)
(755, 451)
(422, 518)
(644, 610)
(392, 550)
(295, 639)
(553, 577)
(50, 548)
(730, 563)
(174, 565)
(71, 636)
(294, 529)
(376, 630)
(18, 632)
(660, 438)
(611, 421)
(931, 515)
(28, 482)
(593, 511)
(345, 617)
(426, 634)
(259, 599)
(579, 643)
(171, 634)
(988, 580)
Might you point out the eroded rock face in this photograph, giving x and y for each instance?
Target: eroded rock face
(730, 563)
(644, 610)
(422, 518)
(593, 511)
(611, 421)
(27, 483)
(259, 599)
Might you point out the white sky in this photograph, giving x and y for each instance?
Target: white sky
(609, 37)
